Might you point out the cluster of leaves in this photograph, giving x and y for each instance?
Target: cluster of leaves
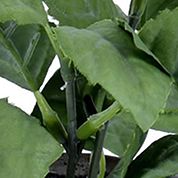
(106, 57)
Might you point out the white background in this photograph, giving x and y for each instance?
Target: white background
(26, 101)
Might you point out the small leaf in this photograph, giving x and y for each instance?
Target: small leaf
(83, 13)
(137, 8)
(138, 86)
(119, 133)
(55, 97)
(26, 148)
(23, 11)
(160, 36)
(123, 138)
(25, 55)
(96, 121)
(158, 160)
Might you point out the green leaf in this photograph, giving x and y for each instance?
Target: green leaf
(158, 160)
(163, 40)
(26, 148)
(136, 45)
(167, 122)
(23, 11)
(83, 13)
(119, 133)
(96, 121)
(118, 68)
(25, 54)
(154, 7)
(123, 138)
(168, 119)
(55, 97)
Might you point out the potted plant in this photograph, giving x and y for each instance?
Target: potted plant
(118, 78)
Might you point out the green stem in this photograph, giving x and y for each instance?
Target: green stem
(96, 157)
(95, 121)
(69, 77)
(102, 166)
(108, 114)
(52, 38)
(68, 74)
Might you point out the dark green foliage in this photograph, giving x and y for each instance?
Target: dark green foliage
(109, 72)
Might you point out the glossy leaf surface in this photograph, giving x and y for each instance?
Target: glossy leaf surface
(83, 13)
(138, 86)
(25, 55)
(26, 148)
(158, 160)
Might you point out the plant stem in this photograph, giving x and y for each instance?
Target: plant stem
(102, 166)
(68, 74)
(52, 39)
(95, 162)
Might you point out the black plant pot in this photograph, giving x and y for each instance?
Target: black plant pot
(58, 168)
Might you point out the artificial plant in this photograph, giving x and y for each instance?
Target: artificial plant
(118, 78)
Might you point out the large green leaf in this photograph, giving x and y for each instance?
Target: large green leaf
(154, 7)
(25, 54)
(26, 148)
(157, 161)
(23, 11)
(137, 85)
(160, 36)
(55, 97)
(123, 138)
(83, 13)
(124, 39)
